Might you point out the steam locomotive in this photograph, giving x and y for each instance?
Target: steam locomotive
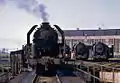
(97, 51)
(102, 51)
(81, 51)
(45, 46)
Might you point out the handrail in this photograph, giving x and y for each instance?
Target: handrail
(90, 70)
(99, 65)
(101, 68)
(88, 74)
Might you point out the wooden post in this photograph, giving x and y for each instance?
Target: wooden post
(113, 70)
(93, 74)
(101, 74)
(88, 78)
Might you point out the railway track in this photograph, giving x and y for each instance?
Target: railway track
(67, 76)
(44, 79)
(61, 77)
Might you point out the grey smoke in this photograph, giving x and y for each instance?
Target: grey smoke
(31, 6)
(43, 14)
(2, 1)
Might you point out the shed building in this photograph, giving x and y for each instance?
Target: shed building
(107, 36)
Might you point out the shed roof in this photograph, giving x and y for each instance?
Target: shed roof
(105, 32)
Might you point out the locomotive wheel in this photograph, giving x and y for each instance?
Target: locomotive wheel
(99, 58)
(84, 56)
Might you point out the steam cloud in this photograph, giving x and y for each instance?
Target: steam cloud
(31, 6)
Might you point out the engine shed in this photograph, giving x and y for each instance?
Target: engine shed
(107, 36)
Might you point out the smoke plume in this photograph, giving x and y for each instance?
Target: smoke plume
(2, 2)
(31, 6)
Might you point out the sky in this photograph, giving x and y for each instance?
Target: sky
(15, 22)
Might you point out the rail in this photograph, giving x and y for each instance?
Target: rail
(58, 79)
(34, 79)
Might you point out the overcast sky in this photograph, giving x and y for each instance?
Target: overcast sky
(68, 14)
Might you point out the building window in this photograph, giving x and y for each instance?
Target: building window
(110, 41)
(81, 40)
(103, 40)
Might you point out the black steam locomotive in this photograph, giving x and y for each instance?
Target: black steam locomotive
(81, 51)
(45, 41)
(97, 51)
(45, 46)
(102, 51)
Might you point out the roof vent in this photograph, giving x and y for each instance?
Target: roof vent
(77, 28)
(99, 28)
